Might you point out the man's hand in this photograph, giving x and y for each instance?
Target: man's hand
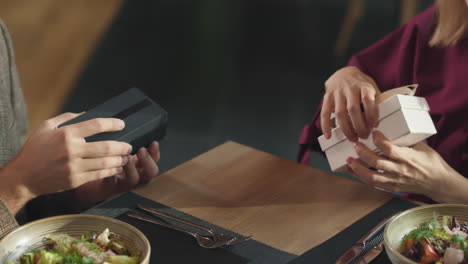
(140, 169)
(418, 169)
(56, 159)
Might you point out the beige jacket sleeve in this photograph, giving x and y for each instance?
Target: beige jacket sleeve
(13, 121)
(7, 221)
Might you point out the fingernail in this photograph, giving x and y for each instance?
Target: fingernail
(371, 123)
(349, 160)
(129, 149)
(124, 160)
(327, 135)
(121, 124)
(141, 153)
(356, 145)
(376, 133)
(119, 169)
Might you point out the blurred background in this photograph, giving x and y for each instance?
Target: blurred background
(251, 71)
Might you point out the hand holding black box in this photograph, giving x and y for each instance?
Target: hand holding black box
(145, 121)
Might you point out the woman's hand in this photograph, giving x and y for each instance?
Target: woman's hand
(418, 169)
(55, 159)
(346, 90)
(140, 169)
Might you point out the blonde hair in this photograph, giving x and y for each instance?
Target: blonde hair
(452, 22)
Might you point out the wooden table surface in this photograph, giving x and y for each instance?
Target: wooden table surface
(283, 204)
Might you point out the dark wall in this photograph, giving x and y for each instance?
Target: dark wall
(245, 70)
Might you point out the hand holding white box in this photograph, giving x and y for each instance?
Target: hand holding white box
(403, 119)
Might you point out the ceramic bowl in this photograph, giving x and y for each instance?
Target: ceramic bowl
(411, 219)
(30, 236)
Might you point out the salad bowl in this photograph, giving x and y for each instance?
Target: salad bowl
(31, 236)
(410, 219)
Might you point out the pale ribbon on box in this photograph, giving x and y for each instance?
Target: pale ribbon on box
(403, 90)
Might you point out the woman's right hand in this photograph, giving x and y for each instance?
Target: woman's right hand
(56, 159)
(346, 90)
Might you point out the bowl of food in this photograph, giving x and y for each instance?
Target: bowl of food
(429, 234)
(75, 239)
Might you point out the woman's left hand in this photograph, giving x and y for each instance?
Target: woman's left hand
(418, 169)
(139, 170)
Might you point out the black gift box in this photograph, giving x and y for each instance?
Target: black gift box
(145, 121)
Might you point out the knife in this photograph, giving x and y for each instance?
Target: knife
(371, 254)
(361, 244)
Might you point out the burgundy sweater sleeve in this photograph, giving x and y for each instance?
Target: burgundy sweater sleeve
(390, 62)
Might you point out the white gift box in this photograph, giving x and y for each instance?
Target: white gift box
(403, 119)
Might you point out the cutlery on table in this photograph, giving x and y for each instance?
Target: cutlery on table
(215, 240)
(230, 240)
(371, 254)
(216, 236)
(202, 241)
(362, 243)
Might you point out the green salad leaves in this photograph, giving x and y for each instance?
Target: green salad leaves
(90, 248)
(443, 242)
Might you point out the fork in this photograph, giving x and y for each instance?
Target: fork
(229, 240)
(203, 241)
(375, 248)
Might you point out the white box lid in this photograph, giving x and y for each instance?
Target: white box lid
(386, 108)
